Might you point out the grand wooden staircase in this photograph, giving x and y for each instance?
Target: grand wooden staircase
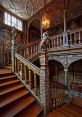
(15, 100)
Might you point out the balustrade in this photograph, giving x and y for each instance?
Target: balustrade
(30, 50)
(77, 87)
(57, 95)
(27, 72)
(5, 54)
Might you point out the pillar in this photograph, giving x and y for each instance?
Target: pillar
(15, 64)
(30, 79)
(25, 74)
(65, 25)
(35, 84)
(66, 77)
(21, 71)
(13, 55)
(18, 62)
(44, 81)
(65, 34)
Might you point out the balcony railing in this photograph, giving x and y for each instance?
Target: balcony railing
(56, 43)
(74, 38)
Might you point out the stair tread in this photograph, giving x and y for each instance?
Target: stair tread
(55, 114)
(15, 108)
(71, 111)
(32, 112)
(9, 82)
(10, 98)
(65, 113)
(7, 77)
(9, 89)
(74, 107)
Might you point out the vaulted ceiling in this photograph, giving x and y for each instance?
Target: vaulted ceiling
(27, 8)
(23, 8)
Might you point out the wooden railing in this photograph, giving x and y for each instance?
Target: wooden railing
(77, 87)
(28, 72)
(57, 95)
(5, 54)
(74, 37)
(28, 50)
(56, 43)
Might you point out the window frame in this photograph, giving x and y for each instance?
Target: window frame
(13, 21)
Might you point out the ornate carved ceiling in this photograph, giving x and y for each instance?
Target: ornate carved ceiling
(23, 8)
(27, 8)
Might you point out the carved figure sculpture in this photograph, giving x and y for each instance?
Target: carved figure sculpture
(14, 33)
(45, 41)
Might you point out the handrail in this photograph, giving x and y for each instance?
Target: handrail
(28, 63)
(76, 87)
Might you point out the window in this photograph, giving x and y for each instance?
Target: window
(12, 21)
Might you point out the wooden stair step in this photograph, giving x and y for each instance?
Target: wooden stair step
(15, 108)
(71, 111)
(75, 108)
(10, 98)
(6, 78)
(55, 113)
(11, 89)
(67, 114)
(2, 74)
(9, 82)
(34, 111)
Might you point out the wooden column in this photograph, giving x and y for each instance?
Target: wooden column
(25, 74)
(30, 79)
(35, 84)
(15, 64)
(18, 66)
(44, 82)
(21, 71)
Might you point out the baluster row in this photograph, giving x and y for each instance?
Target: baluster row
(28, 75)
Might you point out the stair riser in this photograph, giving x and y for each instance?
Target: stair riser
(7, 74)
(9, 85)
(11, 92)
(27, 108)
(7, 79)
(40, 114)
(15, 101)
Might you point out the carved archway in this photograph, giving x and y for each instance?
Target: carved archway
(56, 71)
(56, 58)
(34, 30)
(75, 71)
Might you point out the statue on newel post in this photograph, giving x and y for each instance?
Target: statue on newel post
(44, 44)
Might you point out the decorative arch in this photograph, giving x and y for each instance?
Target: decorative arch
(34, 30)
(56, 58)
(73, 59)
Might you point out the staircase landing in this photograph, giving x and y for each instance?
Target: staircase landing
(67, 110)
(6, 69)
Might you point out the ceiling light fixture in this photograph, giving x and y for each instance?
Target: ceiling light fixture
(45, 18)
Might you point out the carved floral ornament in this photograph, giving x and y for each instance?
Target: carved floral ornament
(66, 60)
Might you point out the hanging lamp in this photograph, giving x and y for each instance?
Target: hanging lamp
(45, 18)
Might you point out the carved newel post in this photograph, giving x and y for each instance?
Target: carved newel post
(44, 81)
(14, 35)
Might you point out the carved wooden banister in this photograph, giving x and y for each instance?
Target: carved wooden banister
(28, 64)
(77, 87)
(57, 94)
(27, 72)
